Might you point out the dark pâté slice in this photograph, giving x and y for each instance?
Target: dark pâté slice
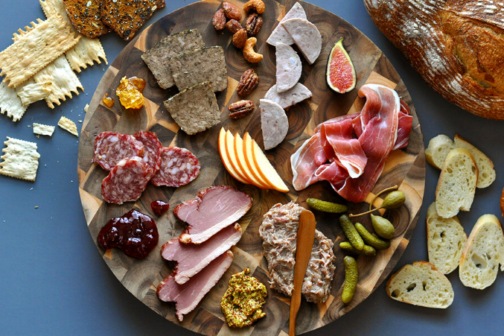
(85, 16)
(340, 70)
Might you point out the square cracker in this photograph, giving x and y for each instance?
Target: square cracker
(31, 92)
(200, 65)
(68, 125)
(20, 159)
(41, 129)
(10, 103)
(194, 109)
(157, 58)
(36, 49)
(86, 51)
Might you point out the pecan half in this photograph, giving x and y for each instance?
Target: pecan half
(231, 11)
(241, 109)
(219, 20)
(248, 82)
(240, 38)
(253, 24)
(233, 26)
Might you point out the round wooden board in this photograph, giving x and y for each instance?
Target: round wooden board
(405, 168)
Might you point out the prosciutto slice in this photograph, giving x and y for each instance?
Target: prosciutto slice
(191, 259)
(211, 211)
(350, 151)
(188, 295)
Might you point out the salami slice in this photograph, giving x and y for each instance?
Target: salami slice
(153, 147)
(110, 148)
(178, 167)
(126, 181)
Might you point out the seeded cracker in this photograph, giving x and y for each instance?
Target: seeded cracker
(201, 65)
(126, 17)
(20, 159)
(68, 125)
(85, 16)
(157, 58)
(86, 51)
(31, 92)
(36, 49)
(10, 102)
(195, 109)
(41, 129)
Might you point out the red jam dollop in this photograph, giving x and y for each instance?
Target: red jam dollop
(134, 233)
(160, 207)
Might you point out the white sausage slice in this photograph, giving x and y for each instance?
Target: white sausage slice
(274, 123)
(288, 67)
(307, 37)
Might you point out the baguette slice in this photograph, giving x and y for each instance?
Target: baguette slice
(486, 171)
(482, 254)
(421, 284)
(457, 183)
(438, 150)
(445, 240)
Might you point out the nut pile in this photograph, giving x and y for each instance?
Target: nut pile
(243, 37)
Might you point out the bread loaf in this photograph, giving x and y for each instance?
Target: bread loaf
(445, 240)
(482, 254)
(456, 46)
(421, 284)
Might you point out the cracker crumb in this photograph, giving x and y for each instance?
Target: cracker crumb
(68, 125)
(36, 206)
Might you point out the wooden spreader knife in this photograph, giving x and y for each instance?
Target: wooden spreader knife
(305, 238)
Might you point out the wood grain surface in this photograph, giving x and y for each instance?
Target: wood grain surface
(405, 168)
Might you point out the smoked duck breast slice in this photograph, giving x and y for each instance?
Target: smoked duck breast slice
(191, 258)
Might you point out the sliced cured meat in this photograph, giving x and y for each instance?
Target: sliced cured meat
(288, 98)
(405, 123)
(188, 295)
(211, 211)
(288, 67)
(274, 123)
(305, 162)
(110, 148)
(152, 146)
(178, 167)
(307, 37)
(280, 34)
(126, 182)
(191, 258)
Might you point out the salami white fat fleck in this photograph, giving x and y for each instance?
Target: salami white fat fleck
(153, 147)
(178, 167)
(126, 181)
(110, 148)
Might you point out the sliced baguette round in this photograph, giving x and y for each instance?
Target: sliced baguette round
(482, 254)
(445, 240)
(457, 184)
(421, 284)
(438, 150)
(486, 171)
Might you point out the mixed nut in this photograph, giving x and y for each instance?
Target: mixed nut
(248, 82)
(241, 109)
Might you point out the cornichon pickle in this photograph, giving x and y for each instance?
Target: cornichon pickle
(326, 206)
(383, 227)
(351, 233)
(367, 250)
(371, 240)
(351, 279)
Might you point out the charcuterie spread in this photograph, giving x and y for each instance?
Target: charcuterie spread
(234, 152)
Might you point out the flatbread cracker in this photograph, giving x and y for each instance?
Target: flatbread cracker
(31, 92)
(10, 102)
(36, 49)
(41, 129)
(85, 16)
(20, 159)
(86, 51)
(68, 125)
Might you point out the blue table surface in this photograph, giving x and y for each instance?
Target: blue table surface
(54, 282)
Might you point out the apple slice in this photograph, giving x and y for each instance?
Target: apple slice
(225, 158)
(249, 160)
(230, 150)
(266, 170)
(238, 146)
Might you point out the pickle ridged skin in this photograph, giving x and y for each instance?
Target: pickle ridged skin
(326, 206)
(351, 233)
(367, 250)
(351, 279)
(371, 240)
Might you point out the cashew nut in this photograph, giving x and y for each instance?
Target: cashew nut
(257, 5)
(249, 53)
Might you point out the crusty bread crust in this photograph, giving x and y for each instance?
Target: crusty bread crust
(456, 46)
